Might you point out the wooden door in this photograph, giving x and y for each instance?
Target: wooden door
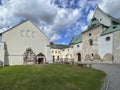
(79, 57)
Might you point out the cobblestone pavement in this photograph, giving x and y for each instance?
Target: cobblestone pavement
(113, 72)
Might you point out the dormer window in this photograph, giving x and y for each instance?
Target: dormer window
(93, 19)
(114, 27)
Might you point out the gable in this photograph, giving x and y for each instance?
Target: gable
(25, 35)
(102, 17)
(25, 29)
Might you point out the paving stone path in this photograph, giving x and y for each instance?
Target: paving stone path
(113, 72)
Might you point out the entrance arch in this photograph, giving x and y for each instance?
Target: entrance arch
(40, 58)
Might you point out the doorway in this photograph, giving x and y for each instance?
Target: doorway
(40, 60)
(79, 57)
(53, 59)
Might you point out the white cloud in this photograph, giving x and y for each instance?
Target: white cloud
(64, 18)
(90, 15)
(49, 17)
(84, 27)
(111, 7)
(53, 19)
(55, 37)
(7, 18)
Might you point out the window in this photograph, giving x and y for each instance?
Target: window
(52, 51)
(33, 34)
(92, 54)
(93, 19)
(107, 38)
(57, 57)
(68, 50)
(90, 34)
(114, 27)
(77, 46)
(59, 52)
(22, 33)
(100, 19)
(91, 42)
(28, 33)
(55, 51)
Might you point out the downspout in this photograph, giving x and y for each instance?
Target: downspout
(113, 48)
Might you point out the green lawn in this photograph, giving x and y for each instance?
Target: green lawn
(50, 77)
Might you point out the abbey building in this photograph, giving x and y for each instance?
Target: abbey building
(99, 43)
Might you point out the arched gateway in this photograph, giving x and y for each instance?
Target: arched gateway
(29, 56)
(40, 58)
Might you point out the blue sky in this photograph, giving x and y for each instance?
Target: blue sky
(60, 20)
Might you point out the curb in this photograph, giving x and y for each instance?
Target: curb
(106, 83)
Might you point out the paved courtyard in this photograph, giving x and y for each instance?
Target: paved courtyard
(113, 72)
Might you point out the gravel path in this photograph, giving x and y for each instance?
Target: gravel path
(113, 72)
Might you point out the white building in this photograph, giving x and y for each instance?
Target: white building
(24, 44)
(57, 52)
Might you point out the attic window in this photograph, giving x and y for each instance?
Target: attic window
(28, 33)
(33, 34)
(114, 27)
(93, 19)
(100, 19)
(77, 46)
(22, 33)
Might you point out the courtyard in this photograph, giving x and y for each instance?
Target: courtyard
(50, 77)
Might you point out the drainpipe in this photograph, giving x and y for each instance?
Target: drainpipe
(113, 48)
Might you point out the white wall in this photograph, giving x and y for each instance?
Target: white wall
(67, 53)
(104, 46)
(2, 52)
(24, 36)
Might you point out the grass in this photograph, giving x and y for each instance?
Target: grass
(50, 77)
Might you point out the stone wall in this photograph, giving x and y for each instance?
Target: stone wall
(88, 49)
